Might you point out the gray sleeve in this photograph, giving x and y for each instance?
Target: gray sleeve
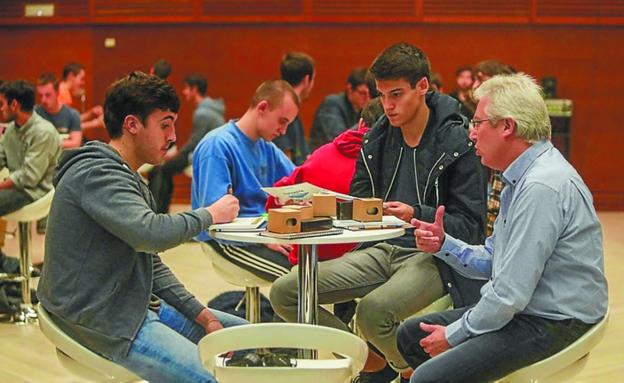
(111, 195)
(41, 152)
(74, 121)
(202, 124)
(167, 287)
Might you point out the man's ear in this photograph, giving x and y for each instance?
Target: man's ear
(423, 85)
(263, 106)
(131, 124)
(14, 105)
(509, 127)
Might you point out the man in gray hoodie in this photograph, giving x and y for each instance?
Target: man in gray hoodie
(207, 116)
(102, 281)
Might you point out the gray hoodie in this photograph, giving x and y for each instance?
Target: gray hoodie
(208, 115)
(100, 268)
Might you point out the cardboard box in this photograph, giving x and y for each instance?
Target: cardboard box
(284, 221)
(307, 212)
(367, 209)
(324, 205)
(344, 210)
(316, 224)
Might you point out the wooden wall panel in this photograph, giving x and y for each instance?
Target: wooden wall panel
(586, 61)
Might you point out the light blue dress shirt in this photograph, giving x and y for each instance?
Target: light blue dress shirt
(545, 257)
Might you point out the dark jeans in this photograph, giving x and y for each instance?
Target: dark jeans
(13, 199)
(523, 341)
(161, 181)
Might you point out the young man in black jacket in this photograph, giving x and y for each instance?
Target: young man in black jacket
(417, 157)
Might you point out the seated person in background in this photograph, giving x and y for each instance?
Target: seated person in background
(544, 260)
(239, 158)
(416, 157)
(161, 68)
(29, 148)
(73, 85)
(435, 84)
(65, 119)
(332, 167)
(340, 111)
(102, 281)
(297, 69)
(463, 90)
(208, 115)
(483, 71)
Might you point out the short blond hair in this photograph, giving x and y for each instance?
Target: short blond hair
(273, 92)
(520, 98)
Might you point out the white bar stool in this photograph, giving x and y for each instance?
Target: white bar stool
(238, 276)
(24, 217)
(565, 364)
(78, 359)
(288, 335)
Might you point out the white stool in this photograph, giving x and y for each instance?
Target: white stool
(288, 335)
(238, 276)
(565, 364)
(24, 216)
(78, 359)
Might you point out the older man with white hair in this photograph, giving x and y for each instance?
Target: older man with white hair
(544, 260)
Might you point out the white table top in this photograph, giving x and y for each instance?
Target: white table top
(347, 236)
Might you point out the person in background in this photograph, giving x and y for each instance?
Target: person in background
(463, 90)
(161, 69)
(340, 111)
(29, 148)
(73, 85)
(208, 115)
(65, 119)
(297, 69)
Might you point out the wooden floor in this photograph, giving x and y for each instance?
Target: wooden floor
(27, 356)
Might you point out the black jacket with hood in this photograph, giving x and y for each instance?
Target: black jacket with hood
(100, 269)
(454, 177)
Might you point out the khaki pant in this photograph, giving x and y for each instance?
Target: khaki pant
(393, 282)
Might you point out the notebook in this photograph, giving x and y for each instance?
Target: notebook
(245, 224)
(306, 234)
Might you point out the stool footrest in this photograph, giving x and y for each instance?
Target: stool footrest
(11, 277)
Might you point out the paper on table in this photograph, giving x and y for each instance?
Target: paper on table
(301, 192)
(304, 234)
(387, 222)
(241, 224)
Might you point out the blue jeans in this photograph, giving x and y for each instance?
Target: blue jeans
(165, 349)
(523, 341)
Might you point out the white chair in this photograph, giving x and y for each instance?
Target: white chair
(24, 217)
(238, 276)
(565, 364)
(78, 359)
(290, 335)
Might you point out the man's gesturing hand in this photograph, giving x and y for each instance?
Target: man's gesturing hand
(430, 236)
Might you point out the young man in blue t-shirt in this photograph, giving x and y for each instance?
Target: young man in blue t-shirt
(240, 158)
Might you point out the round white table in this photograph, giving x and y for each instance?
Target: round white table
(308, 262)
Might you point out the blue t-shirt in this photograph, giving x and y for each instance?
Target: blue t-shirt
(226, 156)
(67, 120)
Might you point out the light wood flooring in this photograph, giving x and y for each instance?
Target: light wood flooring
(27, 356)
